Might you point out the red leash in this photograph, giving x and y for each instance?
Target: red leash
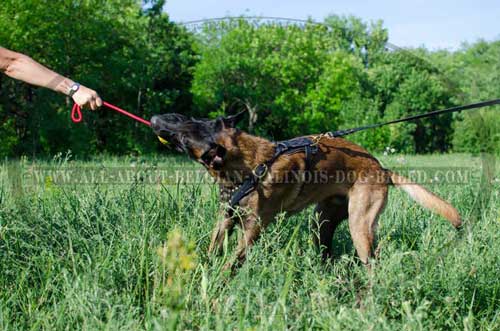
(76, 113)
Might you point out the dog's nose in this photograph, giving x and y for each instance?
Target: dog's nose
(155, 122)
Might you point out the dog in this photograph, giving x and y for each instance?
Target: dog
(351, 183)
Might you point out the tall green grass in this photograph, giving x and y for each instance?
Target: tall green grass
(90, 257)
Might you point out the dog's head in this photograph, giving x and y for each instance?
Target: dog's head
(206, 141)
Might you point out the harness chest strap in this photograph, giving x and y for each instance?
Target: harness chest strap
(297, 145)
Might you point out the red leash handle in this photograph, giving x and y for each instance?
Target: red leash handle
(76, 113)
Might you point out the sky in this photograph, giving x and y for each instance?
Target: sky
(438, 24)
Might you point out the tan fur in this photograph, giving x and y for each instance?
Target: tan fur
(361, 198)
(427, 199)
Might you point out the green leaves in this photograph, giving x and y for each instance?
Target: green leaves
(477, 71)
(302, 74)
(136, 59)
(316, 78)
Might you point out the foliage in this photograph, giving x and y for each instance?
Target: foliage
(7, 137)
(407, 85)
(302, 74)
(135, 58)
(178, 261)
(477, 70)
(320, 78)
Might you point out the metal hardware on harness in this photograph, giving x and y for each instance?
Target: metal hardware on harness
(310, 146)
(260, 171)
(317, 139)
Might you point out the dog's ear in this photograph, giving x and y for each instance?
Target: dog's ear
(230, 121)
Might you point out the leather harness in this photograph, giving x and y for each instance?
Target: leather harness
(288, 147)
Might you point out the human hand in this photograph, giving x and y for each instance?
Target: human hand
(87, 98)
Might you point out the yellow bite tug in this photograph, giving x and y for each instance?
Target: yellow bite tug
(163, 141)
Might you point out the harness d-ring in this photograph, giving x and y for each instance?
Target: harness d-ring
(264, 171)
(76, 114)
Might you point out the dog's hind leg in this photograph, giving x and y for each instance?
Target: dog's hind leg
(366, 202)
(332, 212)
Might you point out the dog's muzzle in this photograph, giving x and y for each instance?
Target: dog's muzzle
(156, 125)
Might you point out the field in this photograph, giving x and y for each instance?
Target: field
(129, 255)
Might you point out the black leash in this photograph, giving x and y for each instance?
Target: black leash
(309, 146)
(482, 104)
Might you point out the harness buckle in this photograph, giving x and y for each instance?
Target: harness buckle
(262, 173)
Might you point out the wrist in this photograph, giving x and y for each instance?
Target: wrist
(73, 89)
(65, 86)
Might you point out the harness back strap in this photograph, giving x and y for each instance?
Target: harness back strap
(287, 147)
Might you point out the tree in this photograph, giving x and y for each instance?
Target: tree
(292, 80)
(477, 69)
(366, 41)
(133, 57)
(409, 85)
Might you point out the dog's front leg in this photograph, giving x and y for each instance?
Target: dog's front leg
(225, 227)
(222, 229)
(251, 231)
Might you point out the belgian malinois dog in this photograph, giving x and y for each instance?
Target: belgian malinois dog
(359, 194)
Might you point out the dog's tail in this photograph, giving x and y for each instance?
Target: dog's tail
(427, 199)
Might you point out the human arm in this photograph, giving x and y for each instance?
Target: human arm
(24, 68)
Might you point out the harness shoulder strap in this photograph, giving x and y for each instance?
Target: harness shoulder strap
(287, 147)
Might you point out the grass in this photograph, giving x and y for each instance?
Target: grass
(133, 256)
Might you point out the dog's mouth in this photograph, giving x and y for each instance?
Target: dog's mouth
(190, 136)
(165, 128)
(213, 158)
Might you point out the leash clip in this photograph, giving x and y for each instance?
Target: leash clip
(317, 139)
